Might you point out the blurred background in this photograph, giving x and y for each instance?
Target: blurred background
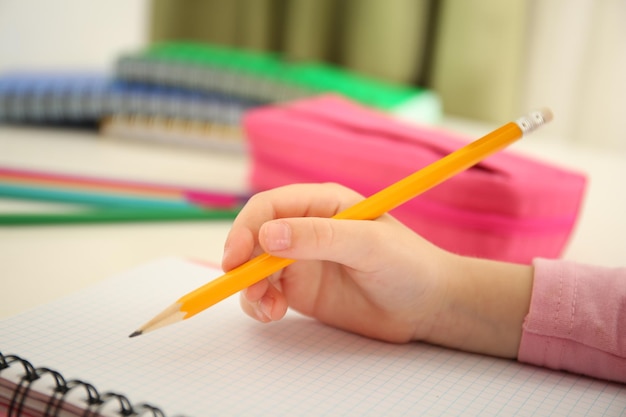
(488, 60)
(484, 61)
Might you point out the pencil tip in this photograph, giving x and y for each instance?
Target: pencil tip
(170, 315)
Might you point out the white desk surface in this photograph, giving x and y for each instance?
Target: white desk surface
(41, 263)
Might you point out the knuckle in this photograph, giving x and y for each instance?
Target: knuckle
(337, 188)
(323, 233)
(258, 197)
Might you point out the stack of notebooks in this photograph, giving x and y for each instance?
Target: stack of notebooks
(93, 99)
(192, 94)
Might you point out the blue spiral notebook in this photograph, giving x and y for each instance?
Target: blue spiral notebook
(223, 363)
(79, 97)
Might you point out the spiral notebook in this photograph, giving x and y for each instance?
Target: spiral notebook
(172, 131)
(223, 363)
(269, 77)
(75, 96)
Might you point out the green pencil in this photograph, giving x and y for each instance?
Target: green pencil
(115, 216)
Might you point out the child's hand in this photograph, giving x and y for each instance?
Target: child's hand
(376, 278)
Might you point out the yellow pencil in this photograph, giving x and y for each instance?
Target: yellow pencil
(389, 198)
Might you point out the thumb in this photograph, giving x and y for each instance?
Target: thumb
(348, 242)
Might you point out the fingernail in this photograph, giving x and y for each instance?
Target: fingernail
(260, 315)
(278, 235)
(226, 251)
(266, 305)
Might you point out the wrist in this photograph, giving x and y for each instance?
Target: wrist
(483, 306)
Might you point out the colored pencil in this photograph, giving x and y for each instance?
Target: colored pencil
(19, 191)
(82, 182)
(116, 215)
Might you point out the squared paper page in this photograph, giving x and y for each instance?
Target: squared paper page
(221, 362)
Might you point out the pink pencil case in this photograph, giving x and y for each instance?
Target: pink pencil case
(507, 207)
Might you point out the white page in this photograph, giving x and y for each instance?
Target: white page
(221, 362)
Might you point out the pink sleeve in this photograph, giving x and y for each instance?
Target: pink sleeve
(577, 320)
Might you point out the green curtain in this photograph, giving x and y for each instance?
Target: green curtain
(384, 39)
(477, 64)
(469, 51)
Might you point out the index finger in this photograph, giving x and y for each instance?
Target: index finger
(298, 200)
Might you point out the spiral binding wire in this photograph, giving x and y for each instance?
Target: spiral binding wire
(87, 98)
(193, 134)
(95, 401)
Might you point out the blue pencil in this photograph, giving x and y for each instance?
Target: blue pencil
(89, 198)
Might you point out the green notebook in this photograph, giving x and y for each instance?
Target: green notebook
(267, 77)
